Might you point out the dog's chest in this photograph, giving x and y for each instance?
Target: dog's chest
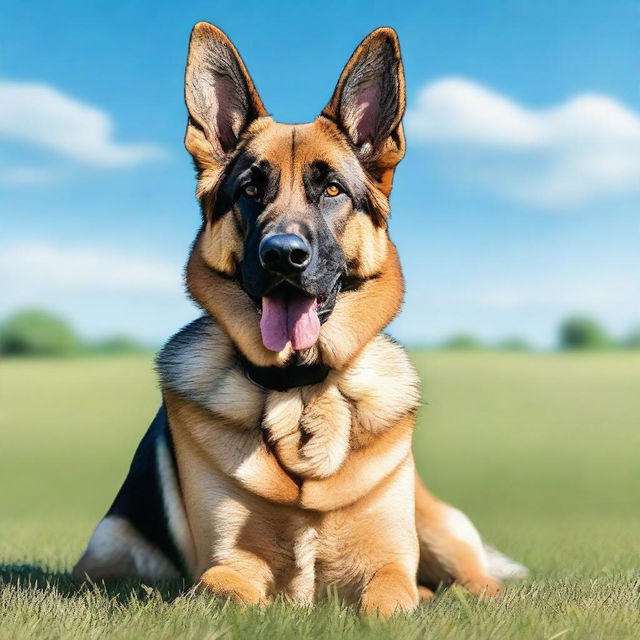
(311, 430)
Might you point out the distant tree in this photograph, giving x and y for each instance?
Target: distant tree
(462, 342)
(632, 341)
(117, 344)
(582, 332)
(36, 332)
(514, 343)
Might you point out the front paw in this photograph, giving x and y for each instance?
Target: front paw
(389, 603)
(390, 591)
(229, 583)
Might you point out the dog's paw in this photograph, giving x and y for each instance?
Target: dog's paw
(482, 586)
(390, 590)
(228, 583)
(425, 593)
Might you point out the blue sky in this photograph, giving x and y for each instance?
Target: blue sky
(517, 203)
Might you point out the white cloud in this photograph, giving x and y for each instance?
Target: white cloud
(41, 266)
(25, 176)
(101, 292)
(42, 116)
(562, 156)
(597, 293)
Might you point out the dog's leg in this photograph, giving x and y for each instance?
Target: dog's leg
(370, 548)
(390, 590)
(242, 556)
(246, 560)
(117, 550)
(390, 582)
(269, 554)
(145, 533)
(451, 548)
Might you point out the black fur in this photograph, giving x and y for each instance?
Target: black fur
(284, 378)
(140, 498)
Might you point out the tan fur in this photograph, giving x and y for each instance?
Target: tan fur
(274, 508)
(392, 151)
(270, 488)
(365, 246)
(444, 556)
(222, 249)
(288, 493)
(330, 449)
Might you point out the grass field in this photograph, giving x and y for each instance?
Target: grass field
(542, 451)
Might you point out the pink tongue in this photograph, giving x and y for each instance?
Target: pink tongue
(273, 324)
(303, 322)
(296, 322)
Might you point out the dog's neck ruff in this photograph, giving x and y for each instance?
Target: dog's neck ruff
(284, 378)
(311, 417)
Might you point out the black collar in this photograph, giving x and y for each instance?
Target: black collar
(284, 378)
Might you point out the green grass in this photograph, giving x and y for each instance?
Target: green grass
(542, 451)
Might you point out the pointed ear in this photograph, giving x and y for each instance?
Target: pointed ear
(220, 95)
(369, 100)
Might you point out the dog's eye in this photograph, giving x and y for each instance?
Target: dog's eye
(332, 190)
(250, 190)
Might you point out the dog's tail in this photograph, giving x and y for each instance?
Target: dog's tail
(503, 568)
(451, 549)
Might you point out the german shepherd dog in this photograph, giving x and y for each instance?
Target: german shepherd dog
(280, 461)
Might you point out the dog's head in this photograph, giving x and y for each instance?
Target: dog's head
(294, 255)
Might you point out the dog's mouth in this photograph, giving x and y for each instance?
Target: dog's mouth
(292, 315)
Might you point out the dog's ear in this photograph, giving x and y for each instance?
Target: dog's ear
(220, 95)
(369, 100)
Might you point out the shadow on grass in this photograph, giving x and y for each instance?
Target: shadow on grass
(41, 578)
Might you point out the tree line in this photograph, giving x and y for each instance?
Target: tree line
(576, 333)
(34, 332)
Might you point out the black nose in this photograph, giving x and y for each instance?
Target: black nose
(284, 253)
